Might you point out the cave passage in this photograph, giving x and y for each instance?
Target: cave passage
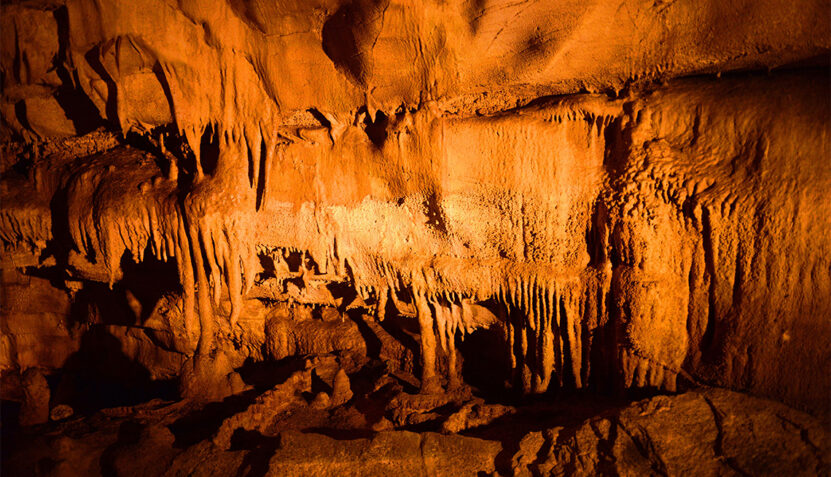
(380, 237)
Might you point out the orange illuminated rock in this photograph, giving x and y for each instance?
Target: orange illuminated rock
(422, 202)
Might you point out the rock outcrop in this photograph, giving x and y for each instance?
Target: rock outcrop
(713, 432)
(381, 219)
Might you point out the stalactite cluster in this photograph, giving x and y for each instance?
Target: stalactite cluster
(400, 213)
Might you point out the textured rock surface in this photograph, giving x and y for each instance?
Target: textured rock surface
(651, 248)
(714, 432)
(35, 408)
(256, 61)
(386, 452)
(332, 227)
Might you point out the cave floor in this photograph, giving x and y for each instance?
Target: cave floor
(303, 416)
(187, 433)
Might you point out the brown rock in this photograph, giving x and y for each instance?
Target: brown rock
(47, 118)
(35, 407)
(473, 414)
(61, 412)
(395, 452)
(267, 408)
(698, 433)
(152, 441)
(205, 378)
(342, 392)
(529, 447)
(553, 195)
(320, 401)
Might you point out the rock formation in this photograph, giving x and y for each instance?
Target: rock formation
(302, 237)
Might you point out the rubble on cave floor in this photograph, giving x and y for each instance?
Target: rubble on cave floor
(430, 237)
(320, 420)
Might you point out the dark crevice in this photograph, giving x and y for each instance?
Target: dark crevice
(260, 450)
(93, 57)
(320, 118)
(209, 150)
(168, 94)
(376, 130)
(204, 422)
(708, 338)
(434, 212)
(718, 444)
(77, 106)
(262, 180)
(252, 166)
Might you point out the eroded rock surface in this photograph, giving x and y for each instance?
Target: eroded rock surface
(326, 230)
(713, 432)
(635, 260)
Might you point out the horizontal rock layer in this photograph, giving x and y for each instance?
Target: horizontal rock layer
(197, 62)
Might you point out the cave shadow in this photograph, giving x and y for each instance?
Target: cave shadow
(540, 413)
(209, 150)
(21, 115)
(93, 57)
(77, 106)
(143, 283)
(9, 426)
(404, 329)
(376, 130)
(202, 423)
(319, 385)
(347, 294)
(100, 375)
(97, 304)
(129, 433)
(264, 375)
(62, 242)
(340, 44)
(367, 400)
(260, 450)
(483, 369)
(262, 174)
(373, 343)
(148, 280)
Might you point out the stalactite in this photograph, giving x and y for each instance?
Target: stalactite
(454, 380)
(549, 325)
(255, 147)
(187, 279)
(545, 311)
(429, 380)
(194, 139)
(203, 303)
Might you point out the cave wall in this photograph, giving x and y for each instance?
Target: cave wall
(140, 64)
(541, 168)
